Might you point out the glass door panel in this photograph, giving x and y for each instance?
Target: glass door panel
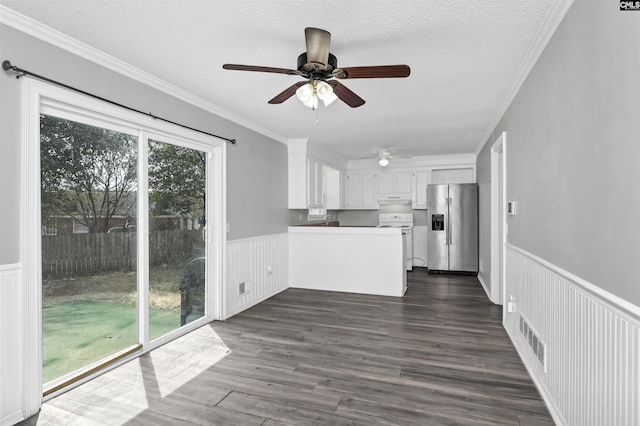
(89, 215)
(177, 256)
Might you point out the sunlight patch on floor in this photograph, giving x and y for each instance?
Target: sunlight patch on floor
(173, 367)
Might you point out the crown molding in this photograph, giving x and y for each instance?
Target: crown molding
(552, 20)
(40, 31)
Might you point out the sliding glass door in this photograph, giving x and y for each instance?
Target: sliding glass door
(128, 249)
(89, 270)
(177, 235)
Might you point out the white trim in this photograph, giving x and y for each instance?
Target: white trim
(257, 238)
(627, 309)
(484, 286)
(10, 269)
(220, 256)
(552, 20)
(498, 239)
(40, 31)
(30, 241)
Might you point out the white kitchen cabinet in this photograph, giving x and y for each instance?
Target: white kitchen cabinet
(421, 180)
(315, 188)
(394, 184)
(335, 188)
(306, 182)
(361, 191)
(457, 175)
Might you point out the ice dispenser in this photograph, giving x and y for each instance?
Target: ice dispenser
(437, 222)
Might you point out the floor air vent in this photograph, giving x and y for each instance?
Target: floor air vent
(539, 349)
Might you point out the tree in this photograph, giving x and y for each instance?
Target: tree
(177, 181)
(87, 173)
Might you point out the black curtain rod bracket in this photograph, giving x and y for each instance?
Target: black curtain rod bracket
(6, 65)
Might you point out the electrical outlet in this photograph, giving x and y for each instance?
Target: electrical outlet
(269, 271)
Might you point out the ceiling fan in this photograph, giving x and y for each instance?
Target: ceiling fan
(384, 155)
(319, 68)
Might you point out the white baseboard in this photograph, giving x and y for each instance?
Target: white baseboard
(484, 286)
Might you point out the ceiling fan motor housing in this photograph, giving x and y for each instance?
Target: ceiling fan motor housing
(316, 71)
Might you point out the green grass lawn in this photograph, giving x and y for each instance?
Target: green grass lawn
(79, 332)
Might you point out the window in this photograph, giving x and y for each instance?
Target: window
(80, 228)
(49, 230)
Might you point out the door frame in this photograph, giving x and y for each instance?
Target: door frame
(498, 217)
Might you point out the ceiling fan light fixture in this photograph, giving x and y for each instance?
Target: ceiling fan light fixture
(305, 92)
(384, 159)
(309, 94)
(325, 92)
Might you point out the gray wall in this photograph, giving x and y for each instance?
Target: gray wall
(573, 151)
(256, 166)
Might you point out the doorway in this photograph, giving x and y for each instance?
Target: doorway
(498, 228)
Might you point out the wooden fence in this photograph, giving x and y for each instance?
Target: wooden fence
(86, 254)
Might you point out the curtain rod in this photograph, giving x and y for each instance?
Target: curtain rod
(6, 65)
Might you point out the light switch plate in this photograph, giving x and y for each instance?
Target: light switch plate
(512, 208)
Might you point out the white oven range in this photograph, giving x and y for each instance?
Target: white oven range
(403, 221)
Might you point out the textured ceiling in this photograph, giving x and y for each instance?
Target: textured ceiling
(463, 54)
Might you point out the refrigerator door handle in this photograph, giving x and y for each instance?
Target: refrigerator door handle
(448, 221)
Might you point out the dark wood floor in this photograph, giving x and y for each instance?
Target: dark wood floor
(438, 356)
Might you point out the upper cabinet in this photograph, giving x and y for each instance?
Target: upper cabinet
(361, 191)
(315, 182)
(421, 179)
(457, 175)
(394, 185)
(425, 177)
(335, 182)
(320, 179)
(306, 182)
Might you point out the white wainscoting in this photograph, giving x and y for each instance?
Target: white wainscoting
(262, 264)
(11, 344)
(592, 343)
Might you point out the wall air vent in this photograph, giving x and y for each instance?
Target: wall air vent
(537, 346)
(241, 288)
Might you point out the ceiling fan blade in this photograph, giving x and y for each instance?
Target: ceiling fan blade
(286, 93)
(318, 42)
(380, 71)
(345, 94)
(237, 67)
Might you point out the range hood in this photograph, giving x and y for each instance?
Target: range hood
(394, 199)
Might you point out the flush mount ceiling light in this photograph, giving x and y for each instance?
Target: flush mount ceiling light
(309, 94)
(384, 158)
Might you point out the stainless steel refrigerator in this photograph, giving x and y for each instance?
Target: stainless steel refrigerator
(452, 232)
